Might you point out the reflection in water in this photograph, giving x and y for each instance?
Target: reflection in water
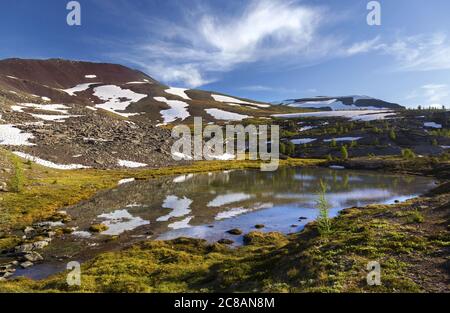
(204, 205)
(208, 205)
(180, 207)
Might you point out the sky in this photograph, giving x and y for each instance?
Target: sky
(267, 50)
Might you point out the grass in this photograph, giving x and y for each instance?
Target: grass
(18, 178)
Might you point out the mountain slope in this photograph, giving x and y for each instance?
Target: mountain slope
(102, 115)
(341, 103)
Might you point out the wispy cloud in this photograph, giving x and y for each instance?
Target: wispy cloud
(204, 42)
(195, 50)
(420, 52)
(431, 95)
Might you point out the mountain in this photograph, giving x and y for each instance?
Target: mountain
(340, 103)
(83, 114)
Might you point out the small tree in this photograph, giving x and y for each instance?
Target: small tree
(344, 152)
(333, 143)
(290, 148)
(323, 219)
(282, 148)
(392, 134)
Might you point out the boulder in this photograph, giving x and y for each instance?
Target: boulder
(26, 264)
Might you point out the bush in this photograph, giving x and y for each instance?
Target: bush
(408, 154)
(344, 152)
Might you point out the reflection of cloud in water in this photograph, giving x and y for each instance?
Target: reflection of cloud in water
(120, 221)
(340, 198)
(228, 198)
(181, 224)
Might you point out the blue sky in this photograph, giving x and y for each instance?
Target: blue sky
(266, 50)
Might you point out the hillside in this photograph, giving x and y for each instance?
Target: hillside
(341, 103)
(82, 114)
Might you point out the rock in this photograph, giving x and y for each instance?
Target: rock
(40, 244)
(302, 218)
(225, 241)
(4, 186)
(235, 231)
(27, 247)
(26, 264)
(28, 230)
(6, 274)
(259, 226)
(293, 225)
(98, 228)
(33, 257)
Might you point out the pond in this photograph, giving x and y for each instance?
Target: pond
(208, 205)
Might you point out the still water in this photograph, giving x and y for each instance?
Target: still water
(208, 205)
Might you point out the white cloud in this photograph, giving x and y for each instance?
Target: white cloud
(420, 52)
(435, 92)
(364, 46)
(431, 95)
(196, 49)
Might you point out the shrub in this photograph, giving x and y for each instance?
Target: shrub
(408, 154)
(344, 152)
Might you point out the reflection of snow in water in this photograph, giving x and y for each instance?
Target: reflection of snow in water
(120, 221)
(228, 198)
(181, 224)
(180, 207)
(182, 178)
(231, 213)
(238, 211)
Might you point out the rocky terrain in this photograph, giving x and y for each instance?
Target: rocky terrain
(98, 115)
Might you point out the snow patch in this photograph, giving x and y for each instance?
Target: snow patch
(12, 136)
(343, 139)
(78, 88)
(126, 181)
(130, 164)
(90, 76)
(180, 92)
(178, 110)
(219, 114)
(302, 141)
(114, 97)
(221, 98)
(49, 163)
(432, 125)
